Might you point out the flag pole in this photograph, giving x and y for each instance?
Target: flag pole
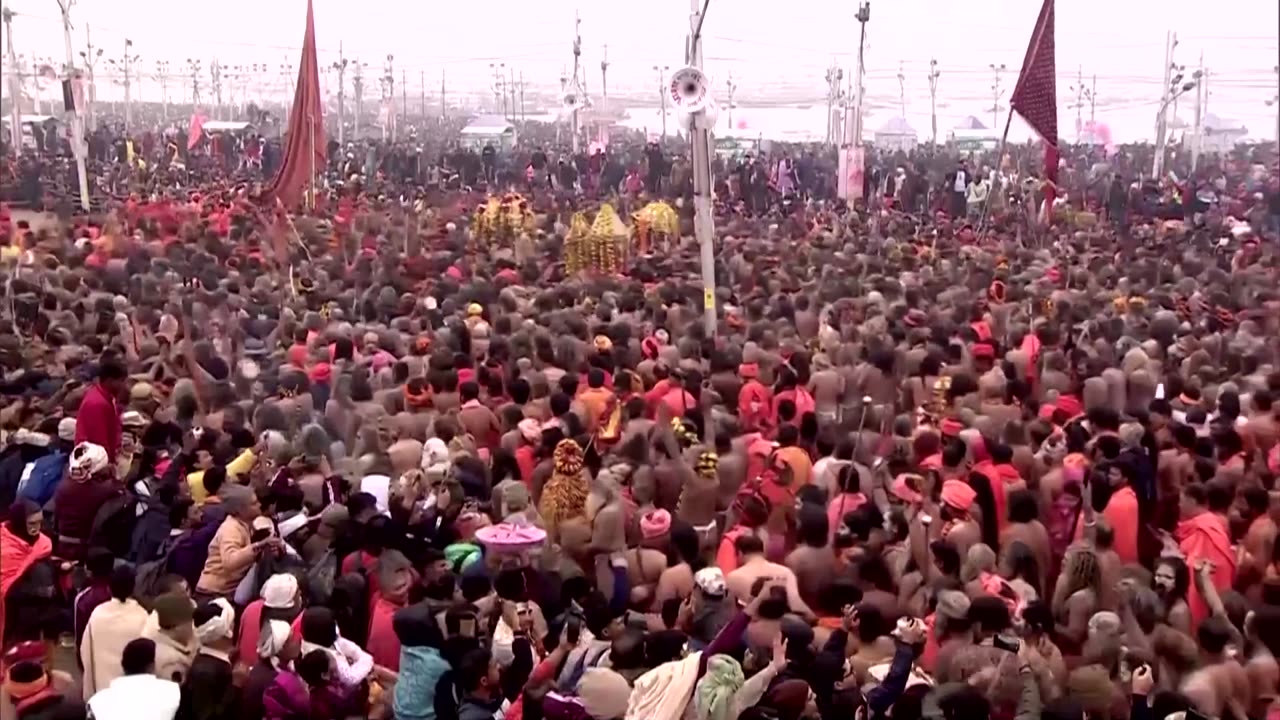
(1008, 120)
(311, 131)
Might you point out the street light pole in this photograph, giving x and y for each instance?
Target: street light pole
(15, 86)
(995, 93)
(341, 66)
(77, 123)
(934, 72)
(90, 57)
(662, 96)
(700, 136)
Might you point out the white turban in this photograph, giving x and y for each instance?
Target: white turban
(220, 626)
(87, 460)
(275, 633)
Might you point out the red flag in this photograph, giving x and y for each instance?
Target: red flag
(305, 143)
(1035, 97)
(196, 128)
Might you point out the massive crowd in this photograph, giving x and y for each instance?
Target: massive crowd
(353, 462)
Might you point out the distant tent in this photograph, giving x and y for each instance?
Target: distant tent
(971, 123)
(896, 134)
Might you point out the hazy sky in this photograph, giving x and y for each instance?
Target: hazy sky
(767, 46)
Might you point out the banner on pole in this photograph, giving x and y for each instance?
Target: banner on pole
(849, 183)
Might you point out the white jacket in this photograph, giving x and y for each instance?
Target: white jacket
(136, 697)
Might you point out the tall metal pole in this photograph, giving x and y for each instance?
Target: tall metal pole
(90, 62)
(833, 82)
(604, 76)
(128, 84)
(1196, 142)
(853, 117)
(1157, 163)
(934, 73)
(703, 220)
(341, 67)
(444, 105)
(577, 87)
(995, 93)
(357, 85)
(162, 74)
(1093, 100)
(15, 87)
(422, 83)
(731, 87)
(522, 116)
(902, 90)
(662, 96)
(404, 93)
(77, 123)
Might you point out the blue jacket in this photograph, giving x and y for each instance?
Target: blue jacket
(420, 671)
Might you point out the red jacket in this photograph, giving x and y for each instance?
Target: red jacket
(98, 420)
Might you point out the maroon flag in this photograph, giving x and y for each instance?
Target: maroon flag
(1035, 97)
(304, 150)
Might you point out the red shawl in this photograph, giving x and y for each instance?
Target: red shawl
(1205, 537)
(16, 557)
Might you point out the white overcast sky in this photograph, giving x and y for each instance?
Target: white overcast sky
(765, 45)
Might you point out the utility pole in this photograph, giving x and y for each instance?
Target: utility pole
(522, 115)
(577, 85)
(357, 85)
(934, 72)
(341, 66)
(1093, 100)
(391, 94)
(77, 123)
(700, 138)
(995, 93)
(662, 96)
(404, 95)
(215, 84)
(444, 105)
(90, 57)
(731, 87)
(1196, 143)
(125, 68)
(1083, 94)
(162, 76)
(902, 91)
(604, 76)
(422, 83)
(194, 67)
(499, 92)
(853, 120)
(512, 85)
(834, 77)
(1157, 164)
(15, 86)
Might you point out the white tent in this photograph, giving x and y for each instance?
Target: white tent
(1218, 135)
(493, 129)
(896, 134)
(971, 134)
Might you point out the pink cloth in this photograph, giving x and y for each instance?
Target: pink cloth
(383, 643)
(250, 628)
(839, 506)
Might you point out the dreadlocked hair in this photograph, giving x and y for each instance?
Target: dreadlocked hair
(1082, 571)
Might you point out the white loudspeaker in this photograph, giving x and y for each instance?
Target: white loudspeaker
(569, 102)
(689, 90)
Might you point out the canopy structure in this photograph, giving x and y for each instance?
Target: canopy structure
(31, 119)
(972, 135)
(490, 129)
(225, 126)
(896, 134)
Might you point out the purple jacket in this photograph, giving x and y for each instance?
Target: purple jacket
(287, 698)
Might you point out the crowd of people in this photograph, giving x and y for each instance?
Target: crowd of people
(352, 462)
